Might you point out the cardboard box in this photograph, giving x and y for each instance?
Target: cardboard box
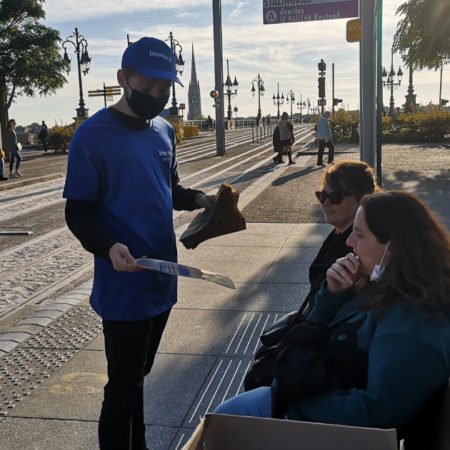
(223, 432)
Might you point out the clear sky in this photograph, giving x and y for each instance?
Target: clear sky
(281, 53)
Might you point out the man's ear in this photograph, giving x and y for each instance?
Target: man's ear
(121, 78)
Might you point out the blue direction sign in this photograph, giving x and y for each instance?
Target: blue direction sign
(286, 11)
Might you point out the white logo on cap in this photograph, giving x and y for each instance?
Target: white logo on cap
(159, 55)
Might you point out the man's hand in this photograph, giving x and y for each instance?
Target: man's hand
(205, 201)
(121, 258)
(343, 273)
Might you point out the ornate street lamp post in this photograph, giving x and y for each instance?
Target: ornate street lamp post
(301, 106)
(83, 63)
(230, 89)
(277, 100)
(290, 98)
(260, 87)
(389, 83)
(179, 65)
(410, 97)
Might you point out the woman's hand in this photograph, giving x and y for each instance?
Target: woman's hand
(343, 273)
(121, 258)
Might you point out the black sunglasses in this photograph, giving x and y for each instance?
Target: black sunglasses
(335, 197)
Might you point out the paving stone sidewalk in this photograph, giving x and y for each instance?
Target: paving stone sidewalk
(51, 384)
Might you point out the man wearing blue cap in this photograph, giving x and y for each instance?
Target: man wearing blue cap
(121, 188)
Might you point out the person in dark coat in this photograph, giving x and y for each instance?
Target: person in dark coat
(43, 136)
(278, 159)
(286, 130)
(13, 147)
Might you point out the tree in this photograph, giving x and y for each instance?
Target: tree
(30, 60)
(422, 35)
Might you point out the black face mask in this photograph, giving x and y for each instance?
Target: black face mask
(146, 106)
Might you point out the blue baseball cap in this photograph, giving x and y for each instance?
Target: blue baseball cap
(152, 58)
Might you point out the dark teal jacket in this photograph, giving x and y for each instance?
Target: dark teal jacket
(408, 360)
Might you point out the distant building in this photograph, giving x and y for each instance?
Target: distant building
(195, 104)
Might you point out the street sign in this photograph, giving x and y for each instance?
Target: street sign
(181, 106)
(281, 11)
(107, 92)
(322, 101)
(354, 30)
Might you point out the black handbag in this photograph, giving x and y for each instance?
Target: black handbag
(261, 371)
(273, 335)
(312, 358)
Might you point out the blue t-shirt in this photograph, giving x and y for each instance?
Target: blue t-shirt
(128, 173)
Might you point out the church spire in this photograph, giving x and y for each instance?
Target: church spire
(195, 107)
(193, 69)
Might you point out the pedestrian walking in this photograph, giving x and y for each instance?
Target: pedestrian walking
(324, 138)
(13, 147)
(2, 165)
(286, 136)
(43, 136)
(278, 159)
(209, 123)
(122, 185)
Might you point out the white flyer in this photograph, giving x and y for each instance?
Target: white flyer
(179, 270)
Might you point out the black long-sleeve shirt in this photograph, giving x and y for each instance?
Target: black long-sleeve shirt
(81, 216)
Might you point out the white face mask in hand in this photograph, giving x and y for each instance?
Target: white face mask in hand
(378, 269)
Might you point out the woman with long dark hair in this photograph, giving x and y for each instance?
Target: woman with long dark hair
(387, 305)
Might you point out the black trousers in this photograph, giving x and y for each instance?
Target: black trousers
(322, 145)
(130, 349)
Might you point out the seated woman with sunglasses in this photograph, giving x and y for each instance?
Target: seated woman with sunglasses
(342, 187)
(390, 299)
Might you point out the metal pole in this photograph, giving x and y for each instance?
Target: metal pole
(332, 86)
(278, 101)
(218, 69)
(440, 89)
(301, 109)
(229, 92)
(173, 110)
(379, 91)
(391, 100)
(367, 81)
(259, 98)
(82, 112)
(292, 101)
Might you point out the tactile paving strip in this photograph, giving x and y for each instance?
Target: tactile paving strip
(37, 358)
(227, 374)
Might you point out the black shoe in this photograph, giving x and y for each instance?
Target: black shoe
(291, 162)
(2, 178)
(320, 164)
